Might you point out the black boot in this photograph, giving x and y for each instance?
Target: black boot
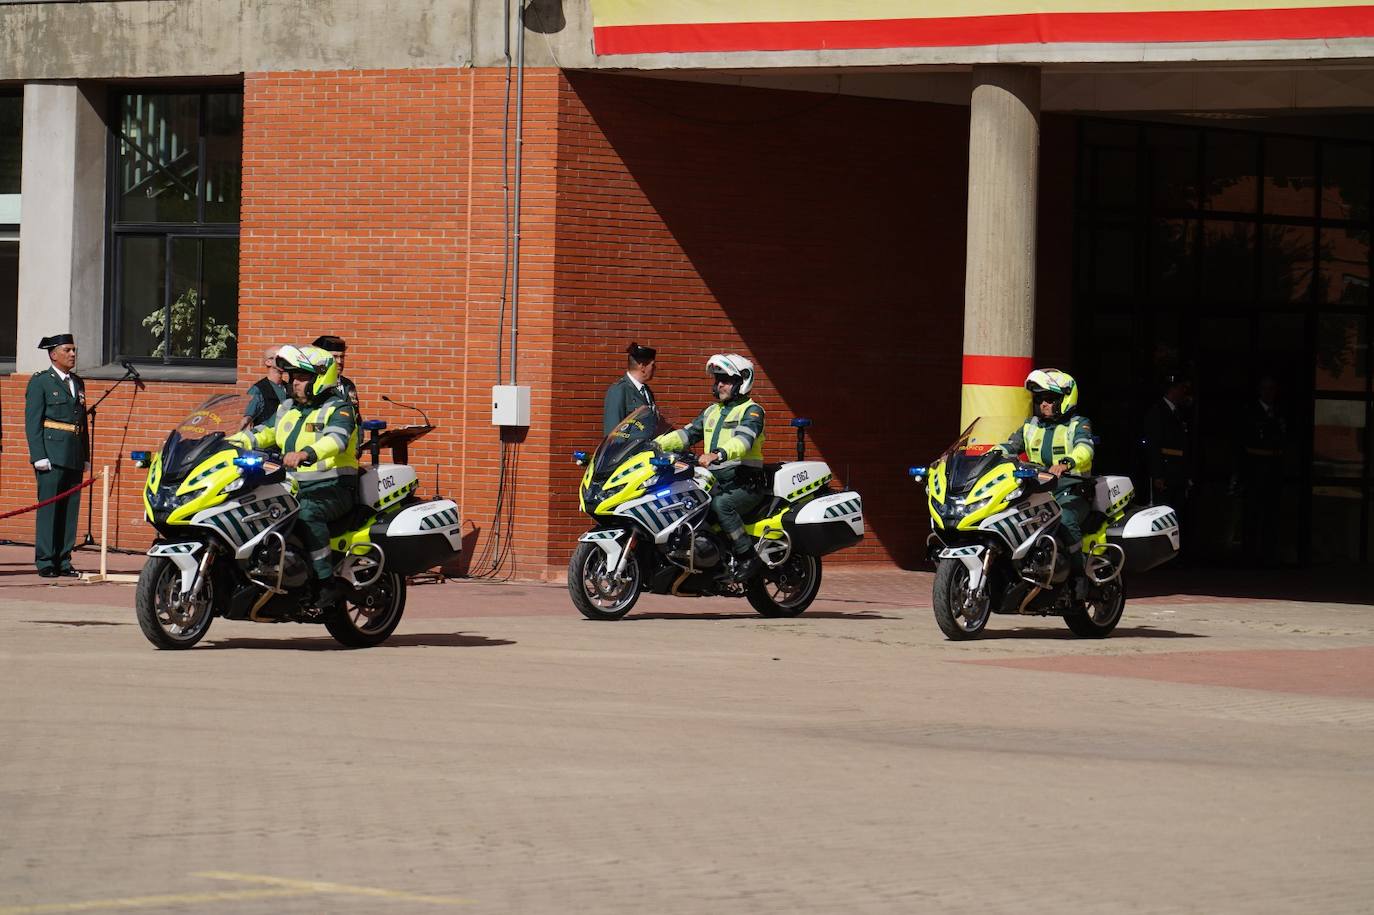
(330, 594)
(746, 566)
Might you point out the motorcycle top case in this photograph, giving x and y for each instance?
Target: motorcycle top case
(826, 524)
(1149, 537)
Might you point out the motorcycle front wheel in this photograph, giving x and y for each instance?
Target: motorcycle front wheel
(1096, 618)
(162, 622)
(787, 590)
(956, 620)
(368, 617)
(595, 594)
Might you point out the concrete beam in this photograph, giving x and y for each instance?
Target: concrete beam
(62, 227)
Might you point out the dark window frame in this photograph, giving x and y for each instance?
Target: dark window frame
(115, 230)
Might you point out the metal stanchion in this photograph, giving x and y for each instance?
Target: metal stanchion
(104, 574)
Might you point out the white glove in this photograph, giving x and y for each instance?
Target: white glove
(42, 466)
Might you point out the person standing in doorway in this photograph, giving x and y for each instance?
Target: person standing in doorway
(55, 427)
(1263, 440)
(1169, 446)
(631, 391)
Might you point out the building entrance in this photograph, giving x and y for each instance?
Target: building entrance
(1239, 259)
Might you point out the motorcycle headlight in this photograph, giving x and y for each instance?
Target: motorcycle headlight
(235, 486)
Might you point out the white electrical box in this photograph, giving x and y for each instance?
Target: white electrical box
(510, 405)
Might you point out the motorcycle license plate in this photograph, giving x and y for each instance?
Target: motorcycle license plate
(958, 552)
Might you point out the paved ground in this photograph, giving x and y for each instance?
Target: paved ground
(502, 755)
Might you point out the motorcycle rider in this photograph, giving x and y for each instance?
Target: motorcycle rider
(317, 434)
(1055, 437)
(732, 429)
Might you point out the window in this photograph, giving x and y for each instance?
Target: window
(1231, 256)
(11, 155)
(174, 226)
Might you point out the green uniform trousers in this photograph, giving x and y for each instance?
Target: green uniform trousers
(730, 506)
(1075, 511)
(55, 535)
(321, 503)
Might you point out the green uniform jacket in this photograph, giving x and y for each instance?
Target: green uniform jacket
(733, 429)
(1067, 440)
(622, 399)
(55, 421)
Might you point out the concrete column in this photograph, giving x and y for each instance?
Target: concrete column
(62, 226)
(999, 285)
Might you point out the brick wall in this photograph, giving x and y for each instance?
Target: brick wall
(373, 210)
(821, 236)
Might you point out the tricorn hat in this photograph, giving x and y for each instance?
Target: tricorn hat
(51, 343)
(641, 354)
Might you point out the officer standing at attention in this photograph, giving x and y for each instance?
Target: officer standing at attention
(336, 347)
(630, 392)
(1263, 443)
(732, 429)
(1167, 443)
(1056, 438)
(318, 437)
(55, 426)
(267, 394)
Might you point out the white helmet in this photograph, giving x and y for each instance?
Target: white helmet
(734, 365)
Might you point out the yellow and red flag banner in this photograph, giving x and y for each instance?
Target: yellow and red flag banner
(682, 26)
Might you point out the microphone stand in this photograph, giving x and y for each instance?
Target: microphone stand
(90, 445)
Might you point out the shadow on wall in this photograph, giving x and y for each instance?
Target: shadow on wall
(821, 235)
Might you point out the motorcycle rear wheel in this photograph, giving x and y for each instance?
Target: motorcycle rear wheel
(786, 591)
(372, 618)
(1097, 618)
(951, 587)
(593, 592)
(158, 583)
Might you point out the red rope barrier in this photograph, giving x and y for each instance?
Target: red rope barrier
(57, 498)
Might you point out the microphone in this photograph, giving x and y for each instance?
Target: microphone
(408, 407)
(133, 372)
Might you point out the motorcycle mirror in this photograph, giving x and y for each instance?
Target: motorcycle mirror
(1025, 474)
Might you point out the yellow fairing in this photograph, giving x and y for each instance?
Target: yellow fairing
(632, 477)
(768, 528)
(208, 478)
(996, 487)
(154, 478)
(355, 541)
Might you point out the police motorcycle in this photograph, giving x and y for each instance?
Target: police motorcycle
(224, 516)
(653, 531)
(996, 541)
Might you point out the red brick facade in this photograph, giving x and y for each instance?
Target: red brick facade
(821, 236)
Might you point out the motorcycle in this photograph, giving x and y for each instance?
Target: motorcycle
(653, 532)
(225, 545)
(997, 542)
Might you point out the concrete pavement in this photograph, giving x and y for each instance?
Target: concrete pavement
(500, 754)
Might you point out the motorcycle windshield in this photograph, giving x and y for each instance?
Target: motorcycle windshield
(635, 433)
(202, 432)
(964, 468)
